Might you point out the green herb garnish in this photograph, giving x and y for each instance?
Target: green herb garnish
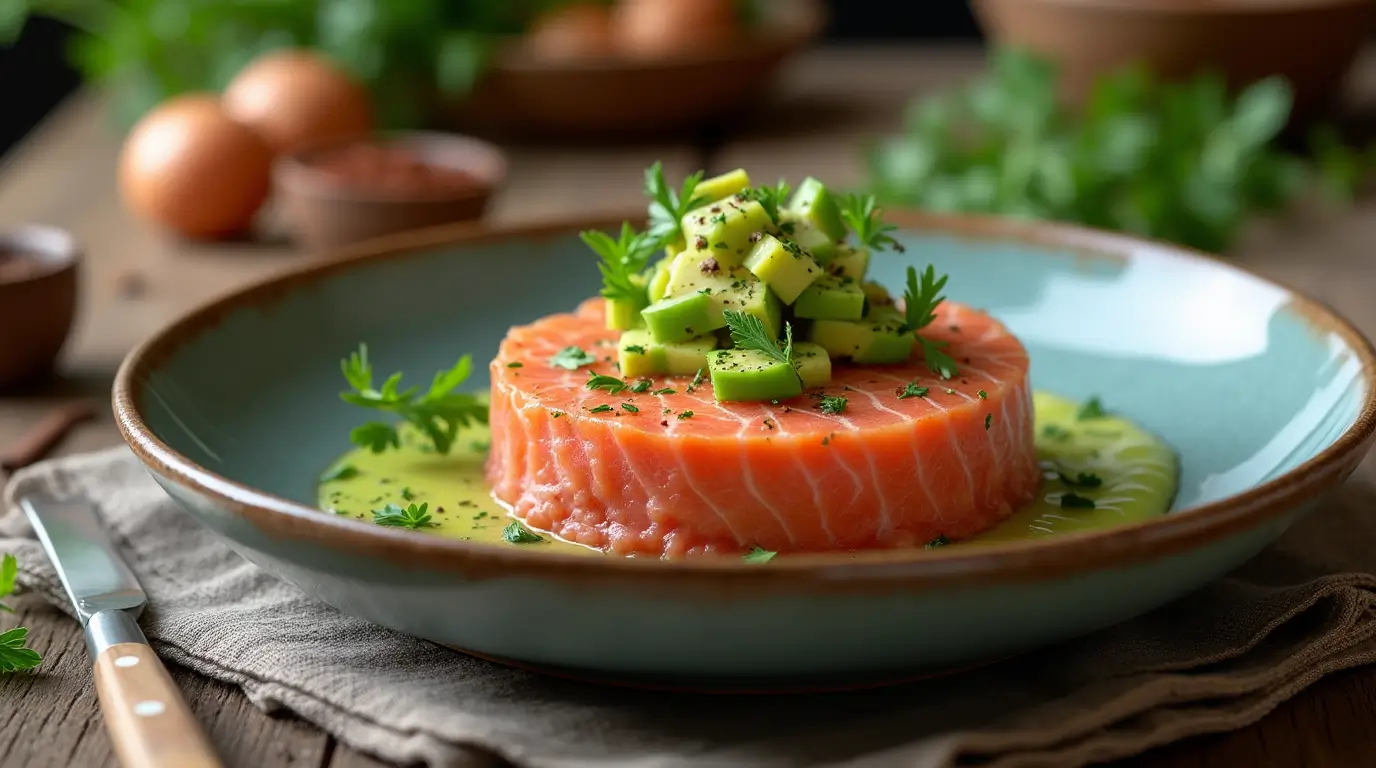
(862, 215)
(612, 384)
(758, 555)
(770, 199)
(988, 420)
(643, 385)
(622, 259)
(667, 207)
(685, 415)
(831, 404)
(603, 408)
(1092, 409)
(413, 517)
(571, 359)
(982, 394)
(438, 413)
(635, 349)
(912, 390)
(696, 382)
(1076, 501)
(340, 471)
(939, 541)
(516, 533)
(629, 408)
(1056, 432)
(1082, 480)
(406, 494)
(748, 332)
(14, 656)
(920, 300)
(665, 391)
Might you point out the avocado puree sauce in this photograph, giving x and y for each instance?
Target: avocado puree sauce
(1136, 477)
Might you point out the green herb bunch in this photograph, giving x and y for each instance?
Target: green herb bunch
(1183, 162)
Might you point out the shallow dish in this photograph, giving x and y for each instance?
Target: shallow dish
(38, 301)
(1266, 396)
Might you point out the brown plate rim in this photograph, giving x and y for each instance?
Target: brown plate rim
(920, 570)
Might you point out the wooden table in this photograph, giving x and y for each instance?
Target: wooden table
(64, 175)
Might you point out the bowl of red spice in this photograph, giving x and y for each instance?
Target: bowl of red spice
(38, 297)
(345, 192)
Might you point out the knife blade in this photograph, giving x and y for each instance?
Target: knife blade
(148, 720)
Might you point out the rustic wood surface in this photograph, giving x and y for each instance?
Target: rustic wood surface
(136, 279)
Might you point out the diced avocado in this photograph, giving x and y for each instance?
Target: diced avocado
(879, 338)
(623, 314)
(783, 266)
(723, 186)
(850, 262)
(726, 229)
(640, 355)
(815, 205)
(748, 375)
(679, 318)
(675, 247)
(876, 296)
(736, 289)
(808, 237)
(659, 278)
(813, 364)
(831, 298)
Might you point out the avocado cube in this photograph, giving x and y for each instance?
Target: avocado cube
(726, 229)
(679, 318)
(723, 186)
(728, 288)
(748, 375)
(787, 269)
(623, 314)
(880, 338)
(807, 236)
(850, 262)
(813, 203)
(831, 298)
(659, 278)
(640, 355)
(812, 363)
(876, 297)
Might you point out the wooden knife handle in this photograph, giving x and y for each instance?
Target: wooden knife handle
(148, 720)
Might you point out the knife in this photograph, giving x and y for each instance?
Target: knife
(148, 721)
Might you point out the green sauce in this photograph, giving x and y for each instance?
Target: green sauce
(1136, 476)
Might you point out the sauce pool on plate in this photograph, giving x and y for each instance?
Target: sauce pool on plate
(1099, 470)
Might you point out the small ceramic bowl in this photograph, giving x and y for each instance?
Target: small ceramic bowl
(345, 192)
(234, 410)
(1311, 42)
(38, 297)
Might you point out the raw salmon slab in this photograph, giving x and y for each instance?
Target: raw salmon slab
(681, 474)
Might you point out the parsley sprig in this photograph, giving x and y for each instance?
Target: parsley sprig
(439, 412)
(862, 214)
(771, 199)
(14, 656)
(920, 300)
(667, 206)
(412, 516)
(622, 259)
(748, 332)
(612, 384)
(572, 358)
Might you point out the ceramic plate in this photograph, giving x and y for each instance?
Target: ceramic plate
(1265, 395)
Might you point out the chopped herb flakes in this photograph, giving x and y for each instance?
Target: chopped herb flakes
(603, 408)
(685, 415)
(665, 391)
(939, 541)
(758, 555)
(1082, 480)
(912, 390)
(516, 365)
(1092, 409)
(1055, 432)
(697, 380)
(634, 349)
(407, 495)
(1076, 501)
(339, 472)
(831, 404)
(642, 385)
(516, 533)
(629, 408)
(571, 358)
(612, 384)
(982, 394)
(988, 419)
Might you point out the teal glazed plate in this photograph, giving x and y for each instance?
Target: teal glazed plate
(1266, 396)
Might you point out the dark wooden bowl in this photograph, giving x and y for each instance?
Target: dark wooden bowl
(323, 214)
(1310, 42)
(618, 97)
(37, 306)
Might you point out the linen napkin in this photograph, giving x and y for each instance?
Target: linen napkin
(1216, 660)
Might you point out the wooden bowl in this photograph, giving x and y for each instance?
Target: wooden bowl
(1311, 42)
(324, 211)
(37, 301)
(617, 97)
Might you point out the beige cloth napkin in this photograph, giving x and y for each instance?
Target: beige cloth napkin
(1217, 660)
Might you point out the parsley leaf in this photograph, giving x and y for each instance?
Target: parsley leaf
(629, 408)
(863, 217)
(340, 471)
(667, 207)
(831, 404)
(912, 390)
(1076, 501)
(603, 408)
(748, 332)
(571, 359)
(622, 259)
(696, 382)
(685, 415)
(1092, 409)
(665, 391)
(612, 384)
(770, 199)
(9, 572)
(642, 385)
(516, 533)
(758, 555)
(413, 517)
(438, 413)
(920, 300)
(14, 657)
